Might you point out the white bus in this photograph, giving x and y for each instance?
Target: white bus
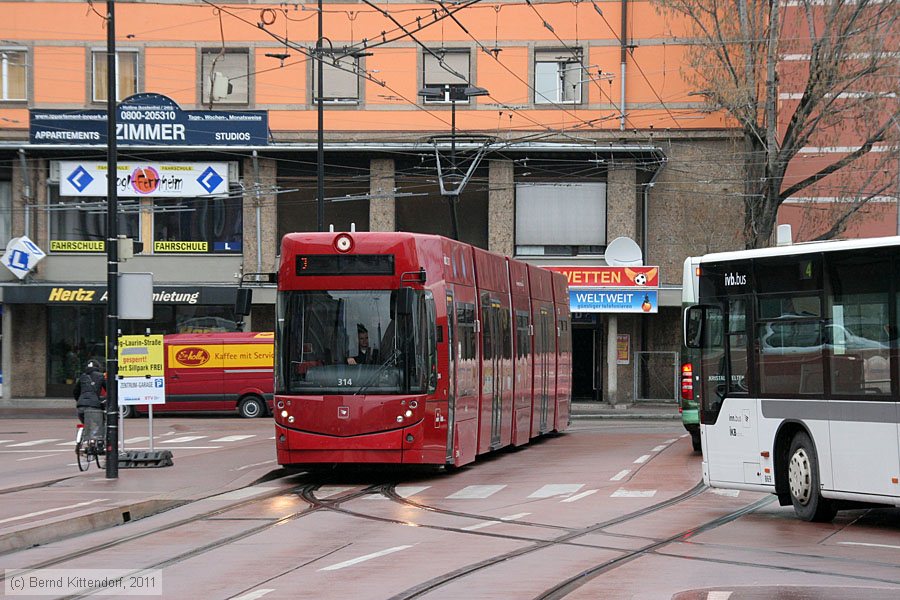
(798, 372)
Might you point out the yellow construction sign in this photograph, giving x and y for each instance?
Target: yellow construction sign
(141, 356)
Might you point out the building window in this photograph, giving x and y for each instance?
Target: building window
(557, 76)
(562, 219)
(447, 72)
(126, 74)
(225, 76)
(197, 226)
(340, 79)
(79, 224)
(13, 72)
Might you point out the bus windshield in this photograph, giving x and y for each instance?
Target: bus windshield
(354, 342)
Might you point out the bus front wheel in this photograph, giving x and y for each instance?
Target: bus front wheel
(803, 480)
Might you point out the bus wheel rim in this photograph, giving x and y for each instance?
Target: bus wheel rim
(800, 476)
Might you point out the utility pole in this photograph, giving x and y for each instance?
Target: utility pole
(320, 148)
(112, 250)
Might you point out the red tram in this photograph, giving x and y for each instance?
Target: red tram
(414, 349)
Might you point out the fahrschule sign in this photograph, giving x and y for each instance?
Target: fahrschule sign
(150, 120)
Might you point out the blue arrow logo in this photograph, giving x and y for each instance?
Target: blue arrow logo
(80, 178)
(209, 179)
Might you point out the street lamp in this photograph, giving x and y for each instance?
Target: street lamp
(445, 93)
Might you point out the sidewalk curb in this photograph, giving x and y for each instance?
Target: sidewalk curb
(46, 533)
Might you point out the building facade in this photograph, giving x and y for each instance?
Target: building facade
(558, 127)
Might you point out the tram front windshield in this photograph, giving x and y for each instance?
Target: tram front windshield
(353, 342)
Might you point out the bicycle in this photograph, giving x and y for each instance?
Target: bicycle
(90, 446)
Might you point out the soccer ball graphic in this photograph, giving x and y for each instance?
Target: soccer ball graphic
(640, 279)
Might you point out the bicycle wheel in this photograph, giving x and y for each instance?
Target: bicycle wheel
(81, 453)
(99, 454)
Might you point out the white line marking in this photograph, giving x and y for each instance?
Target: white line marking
(354, 561)
(35, 442)
(672, 441)
(242, 493)
(484, 524)
(4, 441)
(135, 440)
(728, 493)
(181, 447)
(476, 491)
(404, 491)
(50, 510)
(187, 438)
(327, 491)
(583, 494)
(259, 464)
(233, 438)
(870, 545)
(642, 459)
(718, 595)
(556, 489)
(254, 594)
(620, 493)
(35, 450)
(659, 448)
(34, 457)
(72, 443)
(685, 435)
(620, 475)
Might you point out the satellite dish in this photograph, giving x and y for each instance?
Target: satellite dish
(624, 252)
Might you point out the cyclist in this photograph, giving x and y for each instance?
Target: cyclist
(90, 389)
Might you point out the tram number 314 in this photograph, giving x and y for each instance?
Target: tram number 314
(345, 381)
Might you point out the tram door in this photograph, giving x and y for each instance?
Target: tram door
(546, 334)
(491, 355)
(452, 361)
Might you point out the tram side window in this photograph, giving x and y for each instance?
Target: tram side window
(790, 344)
(523, 347)
(857, 331)
(465, 318)
(505, 332)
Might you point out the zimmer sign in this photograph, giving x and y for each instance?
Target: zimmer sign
(150, 120)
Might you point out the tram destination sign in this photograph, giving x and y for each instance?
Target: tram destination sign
(150, 120)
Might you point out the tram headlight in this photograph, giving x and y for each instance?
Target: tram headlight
(284, 414)
(290, 419)
(408, 414)
(399, 418)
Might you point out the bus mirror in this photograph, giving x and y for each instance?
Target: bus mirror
(242, 301)
(405, 300)
(693, 326)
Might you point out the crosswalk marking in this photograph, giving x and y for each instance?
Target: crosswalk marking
(556, 489)
(404, 491)
(71, 443)
(620, 475)
(187, 438)
(35, 442)
(620, 493)
(672, 441)
(233, 438)
(353, 561)
(135, 440)
(34, 457)
(484, 524)
(583, 494)
(642, 459)
(475, 491)
(659, 448)
(718, 595)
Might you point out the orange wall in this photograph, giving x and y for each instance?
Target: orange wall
(62, 79)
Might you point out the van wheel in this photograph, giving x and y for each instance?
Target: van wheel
(251, 407)
(803, 480)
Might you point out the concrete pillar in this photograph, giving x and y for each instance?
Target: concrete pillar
(501, 207)
(382, 209)
(612, 380)
(622, 202)
(260, 216)
(28, 370)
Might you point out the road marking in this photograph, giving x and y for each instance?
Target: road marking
(583, 494)
(728, 493)
(718, 595)
(181, 447)
(354, 561)
(685, 435)
(50, 510)
(556, 489)
(4, 441)
(34, 442)
(484, 524)
(187, 438)
(620, 475)
(242, 493)
(672, 441)
(476, 491)
(35, 450)
(72, 443)
(135, 440)
(404, 491)
(254, 594)
(34, 457)
(870, 545)
(259, 464)
(233, 438)
(642, 459)
(659, 448)
(620, 493)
